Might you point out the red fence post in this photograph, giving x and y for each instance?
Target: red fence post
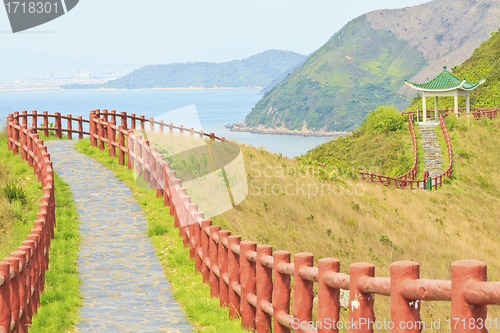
(130, 148)
(28, 276)
(328, 298)
(466, 317)
(80, 127)
(247, 278)
(70, 127)
(23, 290)
(23, 135)
(360, 303)
(34, 122)
(303, 294)
(402, 309)
(14, 293)
(263, 320)
(214, 262)
(105, 119)
(57, 123)
(111, 138)
(46, 123)
(100, 133)
(15, 137)
(151, 125)
(5, 309)
(123, 117)
(142, 123)
(121, 145)
(92, 129)
(132, 121)
(145, 160)
(223, 254)
(205, 246)
(198, 250)
(9, 130)
(34, 300)
(138, 154)
(281, 291)
(233, 270)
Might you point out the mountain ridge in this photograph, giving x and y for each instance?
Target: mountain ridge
(366, 70)
(255, 71)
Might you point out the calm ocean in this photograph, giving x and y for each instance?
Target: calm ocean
(216, 108)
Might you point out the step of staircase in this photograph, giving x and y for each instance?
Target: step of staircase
(433, 160)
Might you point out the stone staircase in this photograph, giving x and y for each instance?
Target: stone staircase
(433, 160)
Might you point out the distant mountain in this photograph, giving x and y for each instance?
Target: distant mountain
(366, 62)
(255, 71)
(282, 76)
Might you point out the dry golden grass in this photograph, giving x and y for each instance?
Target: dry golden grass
(377, 224)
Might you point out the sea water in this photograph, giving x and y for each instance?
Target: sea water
(215, 108)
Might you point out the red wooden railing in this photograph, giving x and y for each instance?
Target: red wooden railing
(476, 112)
(254, 282)
(22, 274)
(406, 178)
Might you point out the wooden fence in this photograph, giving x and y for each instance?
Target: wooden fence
(404, 181)
(22, 274)
(478, 113)
(255, 283)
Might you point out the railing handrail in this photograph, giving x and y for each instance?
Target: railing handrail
(22, 275)
(254, 282)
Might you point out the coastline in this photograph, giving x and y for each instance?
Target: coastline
(176, 88)
(3, 89)
(241, 127)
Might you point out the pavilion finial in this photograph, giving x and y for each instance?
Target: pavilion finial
(444, 67)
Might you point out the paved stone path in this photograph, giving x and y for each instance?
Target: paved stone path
(124, 287)
(433, 160)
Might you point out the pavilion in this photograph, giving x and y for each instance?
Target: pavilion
(445, 85)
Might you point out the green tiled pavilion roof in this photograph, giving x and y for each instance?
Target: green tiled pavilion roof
(445, 81)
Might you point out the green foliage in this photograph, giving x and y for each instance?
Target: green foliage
(383, 119)
(483, 63)
(257, 70)
(451, 123)
(355, 71)
(381, 145)
(14, 192)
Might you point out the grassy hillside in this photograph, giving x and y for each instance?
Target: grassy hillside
(355, 71)
(255, 71)
(483, 63)
(381, 145)
(356, 221)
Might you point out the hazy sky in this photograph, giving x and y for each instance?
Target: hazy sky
(164, 31)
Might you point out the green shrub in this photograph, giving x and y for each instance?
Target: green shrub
(14, 192)
(383, 119)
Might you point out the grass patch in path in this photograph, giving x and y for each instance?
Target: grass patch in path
(193, 295)
(60, 300)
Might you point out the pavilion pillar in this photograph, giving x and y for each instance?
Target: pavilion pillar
(424, 105)
(436, 111)
(456, 103)
(467, 104)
